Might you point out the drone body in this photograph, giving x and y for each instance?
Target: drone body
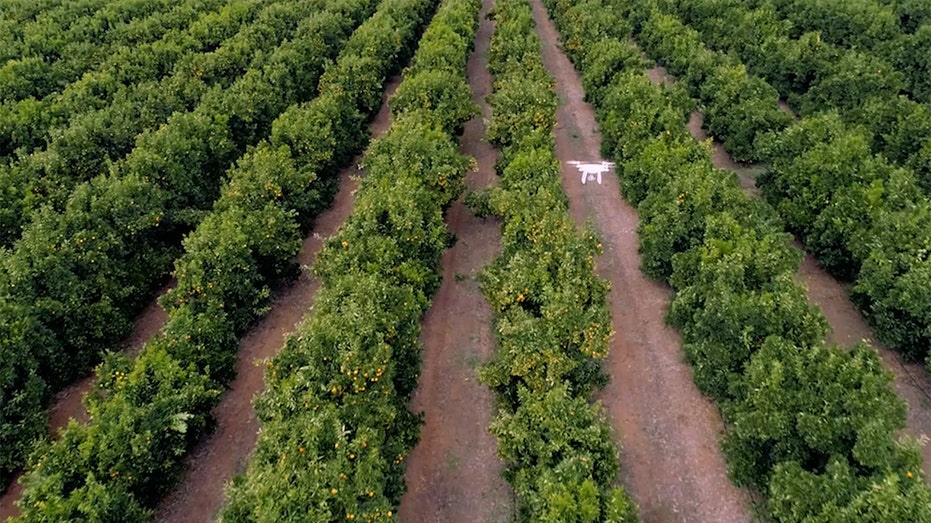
(591, 170)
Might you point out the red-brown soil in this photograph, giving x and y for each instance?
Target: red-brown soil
(658, 74)
(848, 327)
(671, 462)
(746, 174)
(69, 403)
(14, 491)
(454, 473)
(209, 468)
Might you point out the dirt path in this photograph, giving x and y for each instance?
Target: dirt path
(671, 462)
(720, 158)
(848, 327)
(454, 473)
(746, 174)
(202, 490)
(69, 403)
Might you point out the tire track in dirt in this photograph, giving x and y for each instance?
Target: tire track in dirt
(671, 463)
(225, 452)
(69, 403)
(454, 473)
(848, 326)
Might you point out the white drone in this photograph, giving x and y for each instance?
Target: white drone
(591, 170)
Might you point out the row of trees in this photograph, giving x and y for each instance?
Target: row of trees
(814, 428)
(146, 414)
(73, 283)
(864, 218)
(26, 123)
(335, 424)
(552, 318)
(26, 11)
(814, 74)
(62, 44)
(866, 24)
(102, 116)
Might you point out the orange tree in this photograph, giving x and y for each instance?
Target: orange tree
(146, 414)
(80, 273)
(552, 320)
(814, 428)
(335, 420)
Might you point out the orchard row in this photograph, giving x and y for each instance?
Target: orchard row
(147, 413)
(335, 421)
(552, 320)
(813, 428)
(848, 178)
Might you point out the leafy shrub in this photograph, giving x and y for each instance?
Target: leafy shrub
(605, 58)
(814, 428)
(552, 320)
(335, 421)
(739, 108)
(809, 404)
(214, 302)
(559, 451)
(443, 96)
(850, 81)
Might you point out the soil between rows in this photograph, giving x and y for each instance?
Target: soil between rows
(69, 403)
(454, 473)
(209, 468)
(671, 462)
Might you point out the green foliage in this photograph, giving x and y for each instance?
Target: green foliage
(22, 391)
(164, 398)
(97, 118)
(320, 135)
(856, 23)
(891, 282)
(633, 111)
(145, 413)
(552, 320)
(85, 269)
(83, 286)
(443, 97)
(268, 174)
(838, 495)
(55, 47)
(806, 60)
(810, 404)
(524, 105)
(738, 108)
(912, 59)
(601, 63)
(559, 451)
(579, 21)
(335, 420)
(852, 80)
(912, 13)
(812, 427)
(681, 49)
(731, 294)
(444, 47)
(229, 258)
(650, 167)
(862, 217)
